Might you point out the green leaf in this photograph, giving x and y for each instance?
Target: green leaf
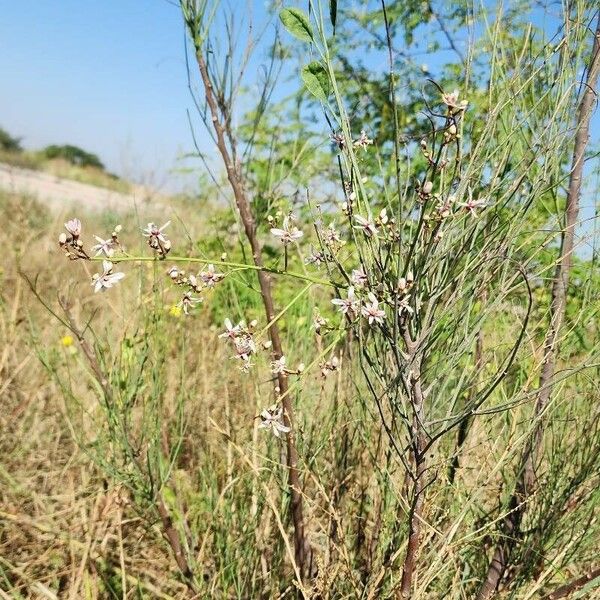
(333, 13)
(297, 23)
(316, 80)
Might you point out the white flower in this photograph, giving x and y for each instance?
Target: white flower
(210, 277)
(451, 101)
(371, 310)
(472, 206)
(106, 279)
(231, 331)
(272, 418)
(290, 233)
(103, 247)
(154, 233)
(347, 306)
(173, 272)
(73, 226)
(188, 302)
(359, 278)
(367, 226)
(363, 141)
(278, 366)
(404, 306)
(330, 366)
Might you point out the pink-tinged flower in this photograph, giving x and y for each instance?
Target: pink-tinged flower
(339, 140)
(347, 306)
(330, 235)
(359, 278)
(278, 366)
(290, 233)
(106, 279)
(105, 247)
(472, 206)
(451, 101)
(371, 311)
(367, 226)
(210, 277)
(244, 347)
(272, 419)
(73, 226)
(363, 141)
(155, 233)
(316, 257)
(188, 302)
(232, 332)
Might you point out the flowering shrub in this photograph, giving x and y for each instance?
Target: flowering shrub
(420, 266)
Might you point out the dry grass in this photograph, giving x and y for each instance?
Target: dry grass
(73, 530)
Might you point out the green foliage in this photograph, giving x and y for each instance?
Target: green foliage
(8, 142)
(74, 155)
(297, 23)
(316, 80)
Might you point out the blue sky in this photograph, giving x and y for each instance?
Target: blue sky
(107, 75)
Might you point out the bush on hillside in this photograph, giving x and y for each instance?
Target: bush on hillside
(74, 155)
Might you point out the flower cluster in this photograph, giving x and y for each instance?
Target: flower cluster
(242, 340)
(73, 247)
(72, 243)
(157, 240)
(194, 284)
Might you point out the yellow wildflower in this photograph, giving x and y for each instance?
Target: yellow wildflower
(67, 341)
(175, 311)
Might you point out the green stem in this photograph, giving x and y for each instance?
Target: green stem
(238, 266)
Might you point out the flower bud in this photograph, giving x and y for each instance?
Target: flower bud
(427, 187)
(301, 368)
(253, 323)
(224, 256)
(410, 277)
(62, 239)
(452, 129)
(266, 345)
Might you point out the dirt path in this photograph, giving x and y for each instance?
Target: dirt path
(60, 194)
